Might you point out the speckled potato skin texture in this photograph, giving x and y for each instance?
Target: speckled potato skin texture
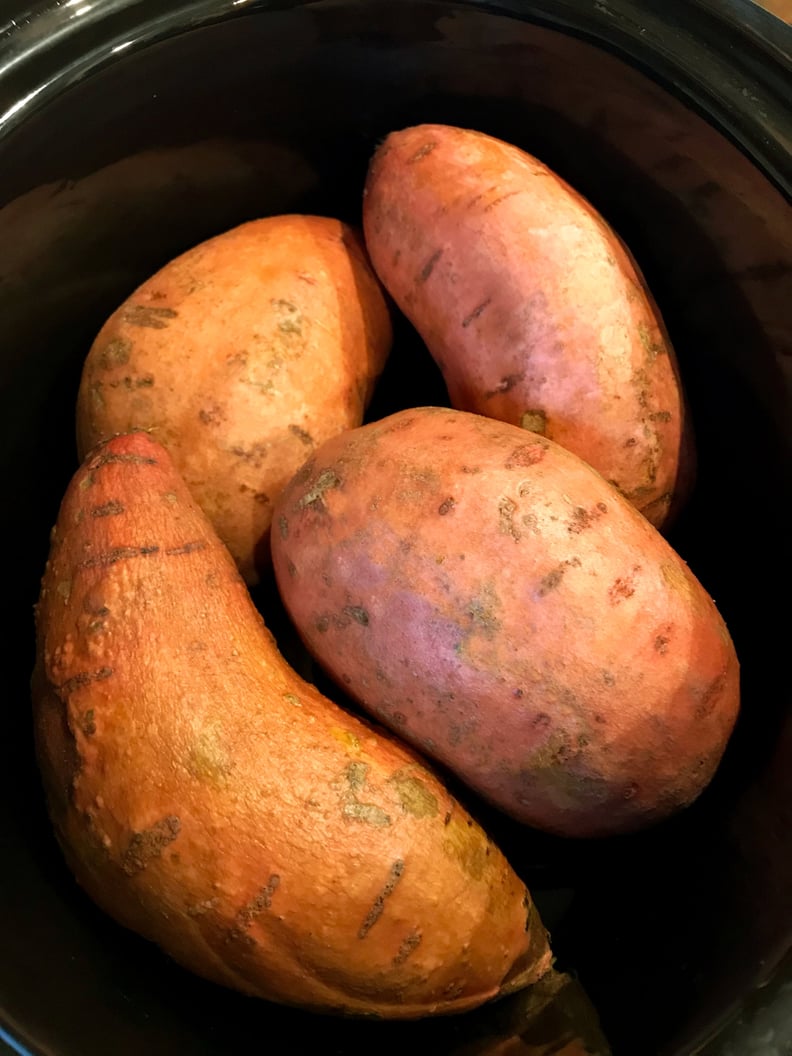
(487, 594)
(531, 305)
(208, 798)
(240, 356)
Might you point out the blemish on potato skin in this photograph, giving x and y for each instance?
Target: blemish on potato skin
(84, 678)
(414, 796)
(534, 421)
(427, 148)
(708, 699)
(212, 414)
(373, 915)
(477, 311)
(506, 510)
(148, 316)
(198, 909)
(369, 813)
(302, 435)
(661, 644)
(428, 267)
(109, 458)
(501, 198)
(143, 381)
(675, 576)
(108, 509)
(88, 723)
(408, 945)
(149, 844)
(551, 580)
(115, 353)
(527, 455)
(253, 909)
(467, 846)
(358, 614)
(446, 506)
(255, 455)
(583, 518)
(326, 481)
(506, 384)
(623, 587)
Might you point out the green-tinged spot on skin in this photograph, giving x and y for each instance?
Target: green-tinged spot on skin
(349, 740)
(534, 422)
(675, 577)
(356, 775)
(414, 796)
(369, 813)
(466, 844)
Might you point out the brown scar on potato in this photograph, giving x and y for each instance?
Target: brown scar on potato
(373, 915)
(84, 678)
(534, 421)
(115, 353)
(427, 148)
(428, 267)
(506, 510)
(108, 509)
(262, 901)
(477, 311)
(148, 316)
(506, 384)
(301, 434)
(709, 697)
(358, 614)
(526, 455)
(326, 481)
(623, 586)
(408, 945)
(149, 844)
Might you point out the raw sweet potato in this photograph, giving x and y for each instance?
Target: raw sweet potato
(208, 798)
(240, 356)
(486, 593)
(531, 305)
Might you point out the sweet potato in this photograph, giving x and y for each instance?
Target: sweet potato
(208, 798)
(486, 593)
(240, 356)
(531, 305)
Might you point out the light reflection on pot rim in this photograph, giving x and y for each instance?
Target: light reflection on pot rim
(722, 84)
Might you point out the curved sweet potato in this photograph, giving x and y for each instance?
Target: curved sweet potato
(486, 593)
(531, 305)
(209, 799)
(240, 356)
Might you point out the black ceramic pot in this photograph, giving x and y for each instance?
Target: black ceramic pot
(132, 129)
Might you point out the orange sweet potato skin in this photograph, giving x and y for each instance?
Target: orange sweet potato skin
(487, 594)
(208, 798)
(531, 305)
(240, 356)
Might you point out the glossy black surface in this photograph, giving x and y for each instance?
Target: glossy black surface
(139, 137)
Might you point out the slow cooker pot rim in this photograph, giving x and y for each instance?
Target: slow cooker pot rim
(732, 60)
